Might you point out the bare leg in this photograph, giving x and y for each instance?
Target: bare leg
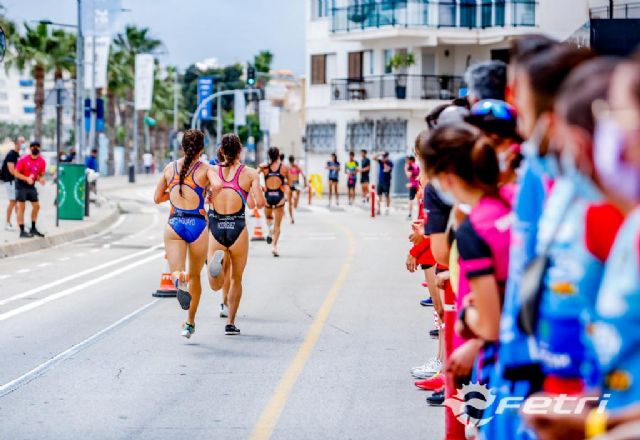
(226, 286)
(35, 209)
(296, 198)
(11, 207)
(218, 282)
(20, 212)
(197, 255)
(239, 253)
(290, 202)
(176, 251)
(279, 214)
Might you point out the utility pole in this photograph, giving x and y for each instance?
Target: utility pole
(611, 9)
(175, 115)
(92, 130)
(59, 87)
(218, 119)
(80, 84)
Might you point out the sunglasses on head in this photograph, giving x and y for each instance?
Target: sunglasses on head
(498, 109)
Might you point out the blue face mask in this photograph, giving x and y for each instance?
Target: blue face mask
(443, 195)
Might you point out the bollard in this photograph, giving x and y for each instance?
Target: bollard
(132, 173)
(373, 200)
(87, 196)
(310, 194)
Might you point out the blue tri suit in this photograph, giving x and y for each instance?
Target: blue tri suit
(617, 331)
(517, 370)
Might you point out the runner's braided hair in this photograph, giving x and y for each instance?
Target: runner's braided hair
(192, 144)
(230, 149)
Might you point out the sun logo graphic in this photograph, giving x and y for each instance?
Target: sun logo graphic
(469, 403)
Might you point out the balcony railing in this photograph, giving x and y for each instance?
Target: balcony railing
(628, 10)
(396, 86)
(367, 14)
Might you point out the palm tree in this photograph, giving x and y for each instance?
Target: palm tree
(131, 42)
(43, 52)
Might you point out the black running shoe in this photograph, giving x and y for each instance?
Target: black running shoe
(231, 330)
(435, 333)
(25, 234)
(35, 233)
(436, 398)
(184, 298)
(269, 239)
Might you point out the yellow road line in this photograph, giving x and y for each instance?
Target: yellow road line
(270, 415)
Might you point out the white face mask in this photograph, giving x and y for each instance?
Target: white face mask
(445, 196)
(502, 160)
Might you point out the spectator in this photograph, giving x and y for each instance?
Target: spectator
(8, 179)
(92, 161)
(71, 156)
(333, 166)
(351, 170)
(147, 161)
(413, 174)
(365, 168)
(487, 80)
(29, 169)
(385, 168)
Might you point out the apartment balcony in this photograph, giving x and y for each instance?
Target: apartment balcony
(624, 11)
(369, 19)
(394, 90)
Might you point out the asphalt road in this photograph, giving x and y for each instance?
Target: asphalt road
(329, 332)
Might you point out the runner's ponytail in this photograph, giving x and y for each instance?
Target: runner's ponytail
(192, 144)
(230, 149)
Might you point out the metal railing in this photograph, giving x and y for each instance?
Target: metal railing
(628, 10)
(367, 14)
(397, 86)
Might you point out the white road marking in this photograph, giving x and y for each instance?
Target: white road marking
(27, 307)
(64, 259)
(4, 277)
(93, 251)
(106, 246)
(78, 275)
(41, 369)
(44, 264)
(23, 270)
(79, 254)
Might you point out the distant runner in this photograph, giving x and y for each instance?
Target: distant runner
(276, 175)
(351, 170)
(294, 183)
(385, 169)
(333, 166)
(365, 167)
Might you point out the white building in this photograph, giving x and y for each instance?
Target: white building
(354, 100)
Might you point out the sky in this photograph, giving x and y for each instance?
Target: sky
(194, 30)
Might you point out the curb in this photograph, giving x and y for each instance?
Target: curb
(34, 244)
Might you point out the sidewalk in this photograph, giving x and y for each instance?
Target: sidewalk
(100, 217)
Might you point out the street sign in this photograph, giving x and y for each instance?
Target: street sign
(144, 81)
(51, 99)
(239, 109)
(265, 114)
(205, 89)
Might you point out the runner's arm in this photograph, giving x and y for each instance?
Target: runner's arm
(256, 192)
(161, 194)
(22, 177)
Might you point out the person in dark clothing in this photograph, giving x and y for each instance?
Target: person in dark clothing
(8, 180)
(385, 168)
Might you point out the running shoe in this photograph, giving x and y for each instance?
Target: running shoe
(436, 398)
(224, 311)
(9, 227)
(188, 330)
(432, 384)
(269, 239)
(275, 253)
(386, 211)
(25, 234)
(427, 302)
(35, 233)
(435, 333)
(428, 370)
(231, 330)
(215, 265)
(183, 295)
(429, 363)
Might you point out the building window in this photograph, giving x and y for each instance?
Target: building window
(447, 13)
(26, 96)
(318, 69)
(524, 12)
(499, 5)
(29, 110)
(321, 138)
(387, 55)
(356, 65)
(468, 13)
(360, 136)
(391, 135)
(26, 83)
(320, 8)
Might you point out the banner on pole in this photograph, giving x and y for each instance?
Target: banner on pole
(102, 60)
(265, 114)
(205, 89)
(144, 81)
(239, 109)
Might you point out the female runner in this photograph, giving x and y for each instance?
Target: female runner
(276, 176)
(183, 184)
(228, 250)
(294, 195)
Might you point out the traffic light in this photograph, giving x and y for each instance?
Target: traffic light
(251, 75)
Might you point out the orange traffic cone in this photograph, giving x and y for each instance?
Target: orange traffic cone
(166, 289)
(257, 234)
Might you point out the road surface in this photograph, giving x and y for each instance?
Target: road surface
(329, 333)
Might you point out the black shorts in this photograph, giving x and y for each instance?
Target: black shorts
(383, 188)
(364, 178)
(333, 180)
(26, 194)
(412, 193)
(273, 198)
(351, 183)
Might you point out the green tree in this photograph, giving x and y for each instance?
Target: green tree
(262, 61)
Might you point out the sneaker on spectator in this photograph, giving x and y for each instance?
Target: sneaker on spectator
(435, 333)
(437, 398)
(432, 384)
(427, 302)
(428, 370)
(10, 227)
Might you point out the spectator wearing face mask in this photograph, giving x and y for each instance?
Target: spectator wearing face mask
(29, 170)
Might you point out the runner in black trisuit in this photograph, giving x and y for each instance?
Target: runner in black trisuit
(276, 176)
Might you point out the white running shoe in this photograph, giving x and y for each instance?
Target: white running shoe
(386, 211)
(9, 227)
(430, 362)
(224, 311)
(429, 370)
(188, 330)
(215, 265)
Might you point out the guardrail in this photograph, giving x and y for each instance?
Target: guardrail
(628, 10)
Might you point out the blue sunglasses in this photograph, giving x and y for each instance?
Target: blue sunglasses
(499, 109)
